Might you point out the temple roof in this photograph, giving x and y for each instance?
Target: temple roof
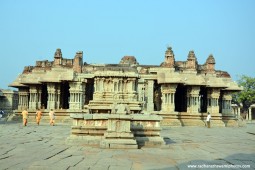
(57, 74)
(170, 71)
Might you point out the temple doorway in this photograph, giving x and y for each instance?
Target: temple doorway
(64, 95)
(220, 102)
(203, 99)
(89, 90)
(180, 98)
(44, 96)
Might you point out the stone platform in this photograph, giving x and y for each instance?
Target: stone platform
(187, 119)
(168, 119)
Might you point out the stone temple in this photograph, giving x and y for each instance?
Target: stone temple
(181, 92)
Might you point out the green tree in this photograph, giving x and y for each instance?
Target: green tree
(247, 96)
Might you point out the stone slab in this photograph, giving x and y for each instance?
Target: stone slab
(28, 147)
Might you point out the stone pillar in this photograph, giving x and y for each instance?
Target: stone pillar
(238, 111)
(132, 94)
(250, 113)
(57, 96)
(235, 110)
(150, 104)
(247, 116)
(141, 92)
(213, 101)
(33, 97)
(23, 98)
(99, 88)
(168, 92)
(96, 84)
(226, 103)
(193, 99)
(39, 102)
(101, 85)
(77, 95)
(51, 103)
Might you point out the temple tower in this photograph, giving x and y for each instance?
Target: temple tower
(169, 58)
(58, 57)
(191, 61)
(78, 62)
(210, 64)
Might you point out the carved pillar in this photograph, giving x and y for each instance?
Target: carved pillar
(132, 94)
(150, 104)
(250, 113)
(226, 103)
(99, 88)
(95, 85)
(57, 99)
(39, 102)
(23, 98)
(168, 92)
(141, 92)
(193, 99)
(77, 95)
(33, 97)
(72, 91)
(83, 93)
(213, 100)
(51, 103)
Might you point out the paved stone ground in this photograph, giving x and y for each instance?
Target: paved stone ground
(46, 147)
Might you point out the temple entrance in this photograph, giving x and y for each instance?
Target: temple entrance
(64, 95)
(180, 98)
(203, 99)
(44, 97)
(89, 90)
(220, 102)
(157, 96)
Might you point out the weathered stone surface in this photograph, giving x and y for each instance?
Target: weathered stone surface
(183, 88)
(46, 147)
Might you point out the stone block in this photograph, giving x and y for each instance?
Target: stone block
(76, 115)
(119, 143)
(146, 117)
(118, 135)
(87, 116)
(100, 116)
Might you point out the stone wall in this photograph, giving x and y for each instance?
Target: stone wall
(8, 100)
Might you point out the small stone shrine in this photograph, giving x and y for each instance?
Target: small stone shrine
(117, 130)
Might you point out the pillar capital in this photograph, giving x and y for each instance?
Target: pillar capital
(193, 91)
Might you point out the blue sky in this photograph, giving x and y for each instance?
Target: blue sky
(107, 30)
